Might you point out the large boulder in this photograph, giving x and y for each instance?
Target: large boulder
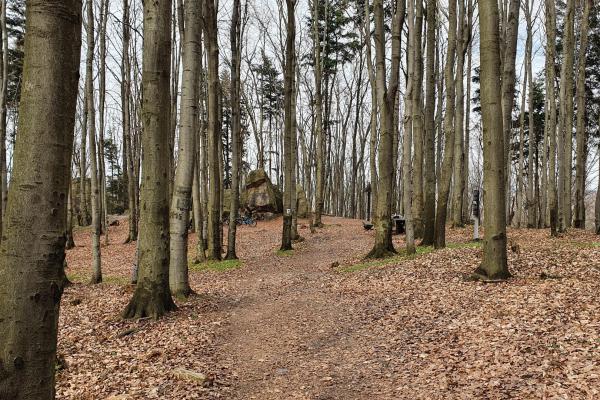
(301, 202)
(260, 194)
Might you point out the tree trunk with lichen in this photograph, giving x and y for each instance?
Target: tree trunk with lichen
(33, 250)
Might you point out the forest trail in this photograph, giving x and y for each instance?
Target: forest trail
(292, 326)
(290, 333)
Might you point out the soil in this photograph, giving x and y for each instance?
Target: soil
(318, 323)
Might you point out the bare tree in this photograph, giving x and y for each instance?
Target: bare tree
(494, 264)
(152, 296)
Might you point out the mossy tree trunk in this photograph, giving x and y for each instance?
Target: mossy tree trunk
(152, 296)
(33, 250)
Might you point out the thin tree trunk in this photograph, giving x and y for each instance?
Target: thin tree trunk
(386, 101)
(33, 250)
(494, 264)
(446, 172)
(152, 296)
(580, 127)
(289, 189)
(235, 37)
(320, 145)
(508, 58)
(101, 106)
(417, 124)
(550, 78)
(430, 170)
(409, 112)
(3, 113)
(532, 199)
(213, 131)
(128, 145)
(184, 173)
(565, 133)
(95, 188)
(518, 222)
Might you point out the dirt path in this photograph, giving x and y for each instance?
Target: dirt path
(289, 326)
(289, 320)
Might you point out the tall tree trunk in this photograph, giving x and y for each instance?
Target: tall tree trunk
(508, 58)
(409, 112)
(494, 264)
(184, 173)
(417, 123)
(152, 296)
(3, 113)
(532, 199)
(466, 215)
(518, 222)
(459, 150)
(128, 145)
(33, 250)
(580, 127)
(289, 189)
(320, 145)
(430, 170)
(84, 218)
(95, 188)
(449, 132)
(565, 133)
(104, 4)
(386, 102)
(550, 79)
(597, 205)
(235, 38)
(213, 131)
(69, 241)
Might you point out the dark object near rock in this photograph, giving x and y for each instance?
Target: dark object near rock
(260, 194)
(399, 224)
(545, 276)
(367, 225)
(114, 223)
(335, 264)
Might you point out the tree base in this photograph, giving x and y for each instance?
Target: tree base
(96, 279)
(381, 252)
(183, 294)
(149, 300)
(481, 275)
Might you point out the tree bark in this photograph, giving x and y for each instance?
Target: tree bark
(33, 250)
(213, 131)
(289, 167)
(532, 199)
(449, 132)
(551, 130)
(152, 296)
(565, 133)
(494, 264)
(581, 136)
(417, 124)
(320, 145)
(430, 170)
(91, 120)
(181, 201)
(508, 59)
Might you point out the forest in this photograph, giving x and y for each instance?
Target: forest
(299, 199)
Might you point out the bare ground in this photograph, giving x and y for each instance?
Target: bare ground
(296, 326)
